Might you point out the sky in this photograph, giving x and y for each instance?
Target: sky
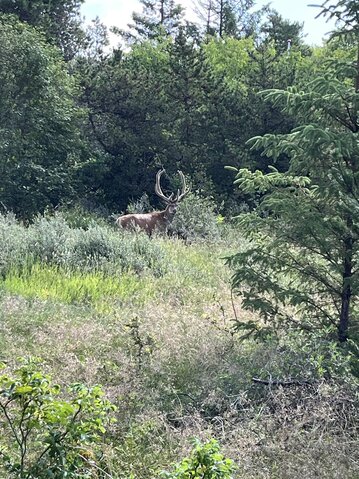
(118, 13)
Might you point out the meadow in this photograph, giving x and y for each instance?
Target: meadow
(152, 321)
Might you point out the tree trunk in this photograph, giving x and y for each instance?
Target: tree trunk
(221, 18)
(346, 285)
(209, 14)
(162, 12)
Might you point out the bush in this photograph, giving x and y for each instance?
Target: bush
(196, 219)
(99, 248)
(13, 244)
(44, 436)
(85, 215)
(204, 462)
(141, 205)
(48, 239)
(112, 252)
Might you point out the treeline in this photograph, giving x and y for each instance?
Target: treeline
(80, 121)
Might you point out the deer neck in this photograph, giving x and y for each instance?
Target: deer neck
(167, 214)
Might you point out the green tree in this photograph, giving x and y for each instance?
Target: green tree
(283, 33)
(180, 103)
(247, 68)
(41, 150)
(205, 115)
(154, 106)
(59, 20)
(185, 95)
(123, 94)
(158, 17)
(301, 265)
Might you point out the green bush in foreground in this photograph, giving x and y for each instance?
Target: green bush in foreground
(42, 436)
(204, 462)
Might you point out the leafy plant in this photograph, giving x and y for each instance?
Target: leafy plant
(196, 219)
(45, 436)
(204, 462)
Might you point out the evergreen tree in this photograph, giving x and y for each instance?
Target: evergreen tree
(124, 97)
(226, 17)
(301, 265)
(203, 113)
(283, 33)
(97, 40)
(185, 93)
(158, 17)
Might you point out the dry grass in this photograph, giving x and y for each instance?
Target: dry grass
(167, 357)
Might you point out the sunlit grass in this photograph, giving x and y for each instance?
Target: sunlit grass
(193, 275)
(95, 289)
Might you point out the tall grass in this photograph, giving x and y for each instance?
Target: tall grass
(154, 327)
(91, 288)
(100, 265)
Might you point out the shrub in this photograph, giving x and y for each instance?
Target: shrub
(48, 238)
(85, 215)
(205, 462)
(196, 219)
(13, 244)
(141, 205)
(52, 241)
(44, 436)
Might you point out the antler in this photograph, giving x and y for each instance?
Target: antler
(170, 198)
(185, 190)
(158, 189)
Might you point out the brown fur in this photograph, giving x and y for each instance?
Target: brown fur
(148, 222)
(158, 220)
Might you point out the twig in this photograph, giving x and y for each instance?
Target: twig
(279, 382)
(5, 207)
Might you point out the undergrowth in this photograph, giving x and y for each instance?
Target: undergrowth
(154, 327)
(53, 242)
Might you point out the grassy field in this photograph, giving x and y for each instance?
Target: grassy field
(152, 322)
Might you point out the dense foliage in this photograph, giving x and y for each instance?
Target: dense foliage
(99, 126)
(301, 264)
(83, 129)
(45, 435)
(41, 150)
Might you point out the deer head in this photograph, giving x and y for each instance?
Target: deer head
(158, 220)
(171, 201)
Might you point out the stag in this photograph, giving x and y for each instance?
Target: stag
(158, 220)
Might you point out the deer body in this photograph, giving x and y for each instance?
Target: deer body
(158, 220)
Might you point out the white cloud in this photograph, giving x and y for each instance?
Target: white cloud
(110, 12)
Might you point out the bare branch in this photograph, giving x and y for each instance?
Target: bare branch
(284, 383)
